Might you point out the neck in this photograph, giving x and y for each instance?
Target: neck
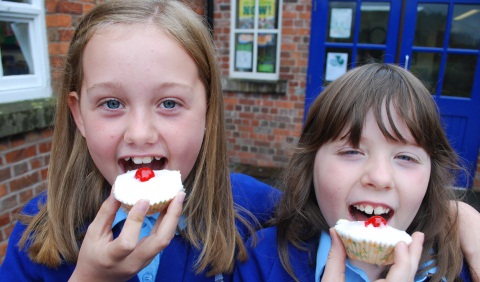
(373, 271)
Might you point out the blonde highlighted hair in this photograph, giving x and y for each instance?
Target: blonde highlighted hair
(76, 188)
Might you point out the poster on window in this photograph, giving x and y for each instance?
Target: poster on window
(340, 23)
(246, 12)
(336, 65)
(244, 52)
(266, 14)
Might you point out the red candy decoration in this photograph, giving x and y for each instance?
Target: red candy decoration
(144, 174)
(376, 221)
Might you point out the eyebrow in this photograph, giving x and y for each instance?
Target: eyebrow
(162, 86)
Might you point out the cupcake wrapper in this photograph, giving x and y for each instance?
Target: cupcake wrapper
(368, 251)
(154, 208)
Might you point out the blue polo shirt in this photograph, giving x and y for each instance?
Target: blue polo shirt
(352, 273)
(148, 273)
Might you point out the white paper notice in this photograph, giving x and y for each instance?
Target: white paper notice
(336, 65)
(341, 23)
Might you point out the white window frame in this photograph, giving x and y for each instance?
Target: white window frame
(254, 74)
(29, 86)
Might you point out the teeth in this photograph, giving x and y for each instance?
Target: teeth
(368, 209)
(141, 160)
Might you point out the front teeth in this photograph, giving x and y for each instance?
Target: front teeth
(368, 209)
(142, 160)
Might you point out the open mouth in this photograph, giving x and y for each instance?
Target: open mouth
(362, 212)
(152, 162)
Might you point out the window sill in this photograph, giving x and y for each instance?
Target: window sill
(278, 87)
(24, 116)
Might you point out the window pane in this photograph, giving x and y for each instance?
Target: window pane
(426, 66)
(267, 53)
(244, 52)
(340, 24)
(459, 73)
(336, 62)
(465, 31)
(15, 48)
(374, 22)
(245, 14)
(267, 14)
(430, 26)
(368, 56)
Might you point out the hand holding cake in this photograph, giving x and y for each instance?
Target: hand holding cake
(371, 241)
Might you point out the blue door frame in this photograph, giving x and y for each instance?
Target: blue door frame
(461, 115)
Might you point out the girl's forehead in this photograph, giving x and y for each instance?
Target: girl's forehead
(125, 30)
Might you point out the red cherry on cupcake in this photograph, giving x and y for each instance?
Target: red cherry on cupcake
(144, 174)
(376, 221)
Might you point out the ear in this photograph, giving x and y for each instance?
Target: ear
(74, 105)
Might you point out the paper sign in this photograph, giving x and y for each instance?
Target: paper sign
(336, 65)
(340, 23)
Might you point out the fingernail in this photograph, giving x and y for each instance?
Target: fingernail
(180, 197)
(143, 205)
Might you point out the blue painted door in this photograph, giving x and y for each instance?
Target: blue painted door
(437, 40)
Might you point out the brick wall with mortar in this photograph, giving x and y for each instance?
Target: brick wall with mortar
(261, 127)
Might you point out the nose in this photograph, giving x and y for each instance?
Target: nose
(140, 129)
(378, 174)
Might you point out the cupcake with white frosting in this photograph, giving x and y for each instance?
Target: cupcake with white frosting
(371, 241)
(158, 186)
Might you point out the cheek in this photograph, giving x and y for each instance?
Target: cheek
(329, 197)
(187, 147)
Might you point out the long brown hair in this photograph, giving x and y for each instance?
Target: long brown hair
(76, 188)
(342, 107)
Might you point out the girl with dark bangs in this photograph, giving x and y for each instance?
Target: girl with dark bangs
(371, 140)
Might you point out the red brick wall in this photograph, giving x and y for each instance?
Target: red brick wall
(23, 170)
(260, 127)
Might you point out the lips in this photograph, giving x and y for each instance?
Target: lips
(136, 162)
(362, 211)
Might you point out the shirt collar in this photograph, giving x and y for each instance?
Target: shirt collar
(121, 216)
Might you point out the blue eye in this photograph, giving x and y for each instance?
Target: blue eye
(406, 158)
(169, 104)
(113, 104)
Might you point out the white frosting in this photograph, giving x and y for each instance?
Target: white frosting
(163, 187)
(384, 234)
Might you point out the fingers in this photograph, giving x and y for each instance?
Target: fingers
(166, 226)
(102, 225)
(335, 267)
(128, 238)
(406, 259)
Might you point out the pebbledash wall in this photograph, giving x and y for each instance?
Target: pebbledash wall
(263, 119)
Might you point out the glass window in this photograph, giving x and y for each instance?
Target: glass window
(374, 23)
(426, 67)
(341, 18)
(24, 71)
(465, 30)
(431, 24)
(15, 48)
(459, 75)
(337, 61)
(255, 38)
